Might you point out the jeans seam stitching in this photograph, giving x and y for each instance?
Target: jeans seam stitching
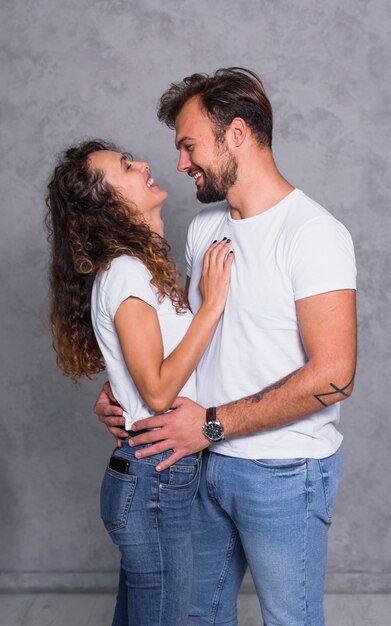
(218, 592)
(208, 479)
(325, 491)
(198, 481)
(156, 485)
(305, 607)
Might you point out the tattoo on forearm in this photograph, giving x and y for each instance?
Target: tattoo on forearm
(337, 390)
(257, 397)
(321, 397)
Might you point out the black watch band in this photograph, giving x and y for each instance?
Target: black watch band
(212, 429)
(211, 414)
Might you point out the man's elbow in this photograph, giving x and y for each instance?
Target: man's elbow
(346, 391)
(350, 385)
(344, 378)
(337, 386)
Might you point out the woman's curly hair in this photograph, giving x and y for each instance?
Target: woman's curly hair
(89, 225)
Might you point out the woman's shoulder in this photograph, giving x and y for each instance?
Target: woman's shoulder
(128, 261)
(126, 276)
(129, 264)
(121, 270)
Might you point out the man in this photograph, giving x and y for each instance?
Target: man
(281, 360)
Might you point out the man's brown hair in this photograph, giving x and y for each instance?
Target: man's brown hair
(228, 93)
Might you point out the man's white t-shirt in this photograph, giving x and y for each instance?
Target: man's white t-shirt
(293, 250)
(126, 277)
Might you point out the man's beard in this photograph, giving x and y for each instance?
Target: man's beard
(217, 182)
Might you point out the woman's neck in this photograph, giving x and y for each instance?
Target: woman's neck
(156, 225)
(154, 221)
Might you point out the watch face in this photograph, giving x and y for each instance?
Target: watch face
(213, 431)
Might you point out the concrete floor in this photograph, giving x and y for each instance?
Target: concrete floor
(45, 609)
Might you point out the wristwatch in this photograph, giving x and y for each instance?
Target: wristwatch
(213, 429)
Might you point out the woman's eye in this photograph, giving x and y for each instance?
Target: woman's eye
(129, 166)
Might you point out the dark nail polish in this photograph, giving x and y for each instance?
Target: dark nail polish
(228, 240)
(224, 238)
(215, 241)
(231, 251)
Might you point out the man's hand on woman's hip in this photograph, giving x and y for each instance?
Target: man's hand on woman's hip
(179, 430)
(110, 413)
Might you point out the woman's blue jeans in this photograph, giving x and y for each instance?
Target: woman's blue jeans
(272, 515)
(148, 515)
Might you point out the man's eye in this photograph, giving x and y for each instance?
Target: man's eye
(189, 147)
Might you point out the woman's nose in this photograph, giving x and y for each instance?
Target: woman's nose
(141, 166)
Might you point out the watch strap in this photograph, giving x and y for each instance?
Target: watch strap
(211, 414)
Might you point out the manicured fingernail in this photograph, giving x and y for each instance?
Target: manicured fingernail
(231, 251)
(224, 238)
(228, 241)
(215, 241)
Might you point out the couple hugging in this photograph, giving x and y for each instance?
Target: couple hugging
(224, 395)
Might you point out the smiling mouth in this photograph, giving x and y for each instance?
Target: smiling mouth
(150, 182)
(196, 175)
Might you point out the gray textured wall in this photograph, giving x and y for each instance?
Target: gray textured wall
(96, 68)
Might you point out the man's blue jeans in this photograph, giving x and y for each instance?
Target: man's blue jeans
(274, 516)
(148, 515)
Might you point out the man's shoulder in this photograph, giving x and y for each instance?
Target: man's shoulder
(305, 213)
(310, 225)
(305, 209)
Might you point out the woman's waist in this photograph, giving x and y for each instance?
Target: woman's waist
(128, 452)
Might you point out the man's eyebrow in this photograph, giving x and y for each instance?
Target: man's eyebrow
(180, 142)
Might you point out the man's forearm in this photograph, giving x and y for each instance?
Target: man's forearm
(301, 393)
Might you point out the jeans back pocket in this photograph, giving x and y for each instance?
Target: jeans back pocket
(116, 498)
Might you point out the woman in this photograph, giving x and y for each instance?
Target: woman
(116, 303)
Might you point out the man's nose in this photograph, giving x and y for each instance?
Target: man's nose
(184, 163)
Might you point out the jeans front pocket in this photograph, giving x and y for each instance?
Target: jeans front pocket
(116, 498)
(280, 464)
(182, 474)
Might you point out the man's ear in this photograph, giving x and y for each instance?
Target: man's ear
(238, 131)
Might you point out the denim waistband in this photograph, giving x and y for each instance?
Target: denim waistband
(129, 451)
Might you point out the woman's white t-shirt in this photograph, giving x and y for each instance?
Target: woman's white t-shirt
(128, 277)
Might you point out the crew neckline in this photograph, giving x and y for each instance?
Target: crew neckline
(263, 215)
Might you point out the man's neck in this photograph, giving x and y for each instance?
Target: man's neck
(259, 186)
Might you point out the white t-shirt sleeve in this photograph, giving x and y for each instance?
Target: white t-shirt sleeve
(189, 251)
(322, 258)
(128, 277)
